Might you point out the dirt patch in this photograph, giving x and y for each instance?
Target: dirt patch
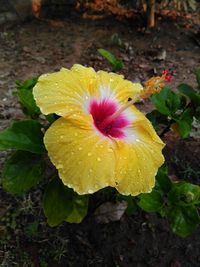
(141, 240)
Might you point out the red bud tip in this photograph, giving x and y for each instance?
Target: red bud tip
(167, 75)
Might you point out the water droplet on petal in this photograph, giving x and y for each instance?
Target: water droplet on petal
(90, 170)
(89, 154)
(98, 159)
(80, 148)
(137, 140)
(75, 134)
(90, 191)
(61, 137)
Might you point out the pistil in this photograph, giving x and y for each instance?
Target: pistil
(152, 86)
(105, 123)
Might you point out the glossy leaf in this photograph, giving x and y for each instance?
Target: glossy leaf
(157, 118)
(151, 202)
(27, 101)
(184, 193)
(197, 113)
(23, 135)
(166, 102)
(61, 203)
(27, 84)
(183, 220)
(22, 171)
(163, 180)
(187, 90)
(184, 122)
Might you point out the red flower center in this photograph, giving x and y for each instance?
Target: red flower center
(101, 112)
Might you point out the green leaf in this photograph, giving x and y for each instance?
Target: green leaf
(163, 181)
(197, 113)
(184, 194)
(51, 118)
(22, 171)
(187, 90)
(24, 92)
(157, 118)
(184, 122)
(117, 64)
(61, 203)
(151, 202)
(183, 220)
(198, 76)
(166, 101)
(27, 84)
(23, 135)
(28, 103)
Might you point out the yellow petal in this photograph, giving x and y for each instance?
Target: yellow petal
(65, 92)
(68, 93)
(139, 157)
(84, 158)
(114, 86)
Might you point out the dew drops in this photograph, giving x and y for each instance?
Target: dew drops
(137, 140)
(89, 154)
(61, 137)
(98, 159)
(75, 134)
(80, 148)
(96, 186)
(90, 170)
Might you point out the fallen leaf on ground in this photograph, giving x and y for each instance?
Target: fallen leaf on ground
(110, 212)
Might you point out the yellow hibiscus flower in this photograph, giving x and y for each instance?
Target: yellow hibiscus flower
(99, 140)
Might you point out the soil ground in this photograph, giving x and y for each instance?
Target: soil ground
(141, 240)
